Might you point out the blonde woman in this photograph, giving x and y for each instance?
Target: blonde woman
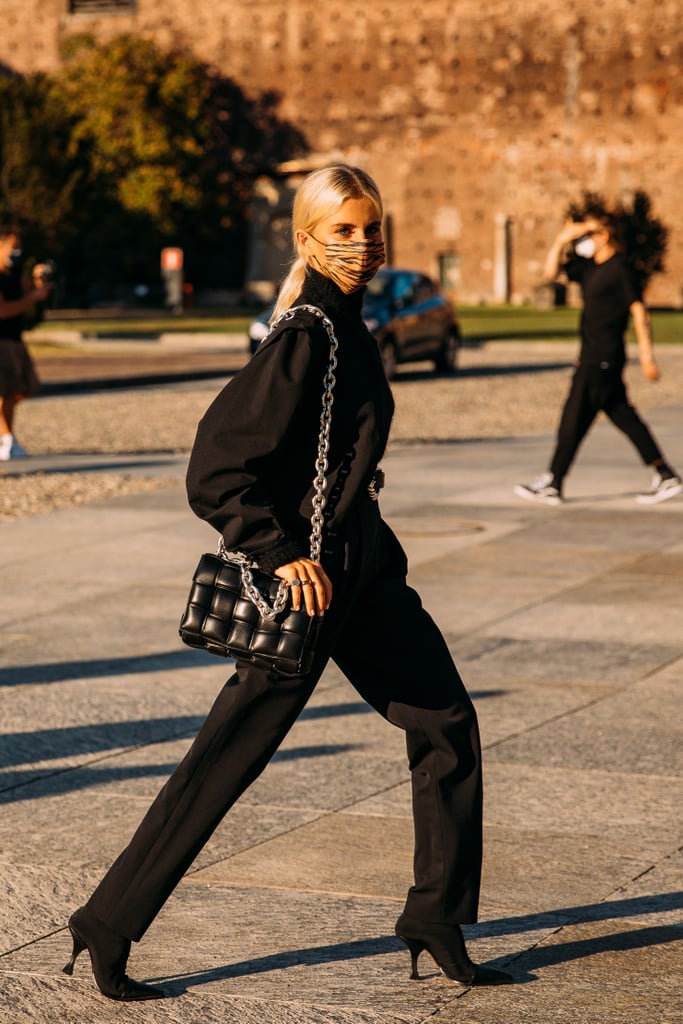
(250, 476)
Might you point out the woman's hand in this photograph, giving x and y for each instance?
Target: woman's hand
(572, 231)
(310, 585)
(650, 369)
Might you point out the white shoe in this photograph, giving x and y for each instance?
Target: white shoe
(661, 488)
(17, 451)
(541, 490)
(6, 447)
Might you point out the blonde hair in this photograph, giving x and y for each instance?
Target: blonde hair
(318, 196)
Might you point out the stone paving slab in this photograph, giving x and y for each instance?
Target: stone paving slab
(306, 859)
(586, 620)
(558, 562)
(47, 873)
(638, 730)
(585, 803)
(519, 706)
(556, 660)
(615, 960)
(589, 973)
(324, 973)
(566, 627)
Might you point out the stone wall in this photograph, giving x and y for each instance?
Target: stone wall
(476, 117)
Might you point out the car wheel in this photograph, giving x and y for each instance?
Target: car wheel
(447, 358)
(389, 356)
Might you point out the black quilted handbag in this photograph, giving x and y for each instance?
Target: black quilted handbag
(223, 619)
(235, 610)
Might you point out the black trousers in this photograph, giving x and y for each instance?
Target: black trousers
(394, 655)
(596, 388)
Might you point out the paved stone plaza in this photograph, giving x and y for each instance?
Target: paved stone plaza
(567, 626)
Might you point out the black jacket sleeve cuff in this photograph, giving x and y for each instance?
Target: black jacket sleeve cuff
(287, 551)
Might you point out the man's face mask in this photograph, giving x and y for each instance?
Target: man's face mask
(350, 264)
(585, 247)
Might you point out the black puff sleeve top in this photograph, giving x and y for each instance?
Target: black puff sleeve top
(252, 465)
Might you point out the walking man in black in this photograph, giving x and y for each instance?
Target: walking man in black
(589, 252)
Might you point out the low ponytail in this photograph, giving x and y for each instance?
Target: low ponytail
(291, 287)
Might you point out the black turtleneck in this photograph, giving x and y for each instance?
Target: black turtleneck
(321, 291)
(253, 461)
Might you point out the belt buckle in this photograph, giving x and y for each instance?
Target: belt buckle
(376, 484)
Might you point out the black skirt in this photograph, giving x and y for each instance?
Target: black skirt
(17, 372)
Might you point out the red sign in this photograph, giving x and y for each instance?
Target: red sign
(171, 259)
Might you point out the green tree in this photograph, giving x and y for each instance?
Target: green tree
(643, 236)
(171, 149)
(39, 180)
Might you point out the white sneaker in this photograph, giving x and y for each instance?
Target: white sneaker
(540, 490)
(6, 447)
(17, 451)
(661, 488)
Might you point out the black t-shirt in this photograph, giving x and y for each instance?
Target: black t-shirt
(609, 290)
(11, 290)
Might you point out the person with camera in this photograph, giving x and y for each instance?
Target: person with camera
(18, 378)
(590, 253)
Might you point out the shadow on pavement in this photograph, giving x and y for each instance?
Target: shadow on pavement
(308, 957)
(607, 911)
(98, 668)
(564, 952)
(74, 778)
(527, 960)
(97, 738)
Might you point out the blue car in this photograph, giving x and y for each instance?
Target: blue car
(410, 317)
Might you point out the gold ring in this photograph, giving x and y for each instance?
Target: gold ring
(307, 583)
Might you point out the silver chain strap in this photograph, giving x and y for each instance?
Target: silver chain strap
(319, 482)
(253, 593)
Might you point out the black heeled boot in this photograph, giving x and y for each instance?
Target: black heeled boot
(446, 945)
(108, 955)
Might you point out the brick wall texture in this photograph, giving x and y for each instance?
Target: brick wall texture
(464, 112)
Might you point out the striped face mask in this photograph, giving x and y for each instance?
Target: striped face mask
(351, 264)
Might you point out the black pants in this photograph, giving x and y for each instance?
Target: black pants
(595, 388)
(394, 655)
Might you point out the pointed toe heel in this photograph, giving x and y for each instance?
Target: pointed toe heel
(446, 946)
(108, 955)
